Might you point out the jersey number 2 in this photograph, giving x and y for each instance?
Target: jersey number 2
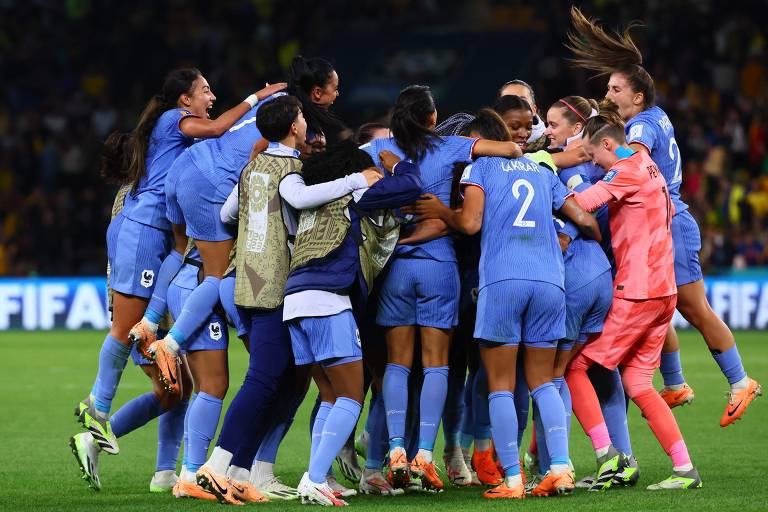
(519, 220)
(674, 155)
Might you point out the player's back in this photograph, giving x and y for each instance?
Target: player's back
(640, 229)
(518, 239)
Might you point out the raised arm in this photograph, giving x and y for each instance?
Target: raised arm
(570, 158)
(485, 147)
(583, 220)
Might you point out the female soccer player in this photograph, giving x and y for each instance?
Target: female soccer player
(421, 287)
(640, 213)
(518, 303)
(316, 83)
(649, 129)
(340, 248)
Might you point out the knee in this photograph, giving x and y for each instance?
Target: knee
(696, 312)
(216, 387)
(636, 381)
(168, 400)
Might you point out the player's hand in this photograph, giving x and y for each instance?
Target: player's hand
(424, 231)
(258, 147)
(270, 89)
(428, 207)
(372, 175)
(517, 152)
(388, 159)
(564, 240)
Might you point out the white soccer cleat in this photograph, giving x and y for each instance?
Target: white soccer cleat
(274, 489)
(338, 489)
(86, 452)
(163, 481)
(348, 464)
(456, 467)
(318, 494)
(374, 482)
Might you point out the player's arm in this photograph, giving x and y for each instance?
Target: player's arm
(200, 128)
(570, 158)
(484, 147)
(581, 218)
(636, 146)
(424, 231)
(468, 219)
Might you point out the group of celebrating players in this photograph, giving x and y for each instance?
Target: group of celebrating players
(455, 269)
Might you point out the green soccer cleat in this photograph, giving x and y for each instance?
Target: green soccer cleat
(629, 474)
(82, 405)
(86, 453)
(608, 466)
(100, 429)
(679, 480)
(163, 481)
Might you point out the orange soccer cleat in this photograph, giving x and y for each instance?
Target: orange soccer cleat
(397, 476)
(677, 397)
(485, 467)
(246, 492)
(143, 337)
(182, 489)
(427, 473)
(503, 491)
(739, 400)
(554, 485)
(167, 362)
(216, 484)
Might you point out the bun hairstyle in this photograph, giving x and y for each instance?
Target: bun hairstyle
(335, 162)
(303, 76)
(607, 122)
(409, 124)
(596, 50)
(134, 148)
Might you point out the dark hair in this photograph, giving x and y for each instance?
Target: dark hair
(114, 159)
(511, 102)
(608, 123)
(303, 75)
(605, 53)
(410, 115)
(365, 132)
(576, 109)
(517, 82)
(274, 118)
(177, 82)
(335, 162)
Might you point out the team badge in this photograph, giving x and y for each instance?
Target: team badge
(147, 278)
(610, 175)
(357, 337)
(214, 330)
(635, 132)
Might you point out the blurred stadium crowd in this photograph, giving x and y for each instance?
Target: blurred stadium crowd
(74, 71)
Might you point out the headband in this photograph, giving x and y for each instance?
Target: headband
(573, 109)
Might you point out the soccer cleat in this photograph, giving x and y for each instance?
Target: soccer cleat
(83, 405)
(100, 429)
(274, 489)
(216, 484)
(361, 444)
(143, 336)
(167, 362)
(398, 468)
(531, 463)
(246, 492)
(531, 484)
(679, 480)
(555, 485)
(426, 472)
(630, 472)
(163, 481)
(608, 466)
(318, 494)
(586, 482)
(487, 471)
(675, 397)
(739, 400)
(503, 491)
(458, 472)
(375, 483)
(339, 490)
(184, 489)
(86, 453)
(349, 465)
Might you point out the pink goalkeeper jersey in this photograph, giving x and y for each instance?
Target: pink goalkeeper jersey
(640, 212)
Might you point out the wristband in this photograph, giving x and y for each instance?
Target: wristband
(252, 100)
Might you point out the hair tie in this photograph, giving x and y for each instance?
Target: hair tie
(594, 113)
(573, 109)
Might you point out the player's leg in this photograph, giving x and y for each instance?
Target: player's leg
(675, 391)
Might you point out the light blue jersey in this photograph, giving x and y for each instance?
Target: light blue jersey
(147, 203)
(518, 239)
(653, 129)
(436, 176)
(220, 158)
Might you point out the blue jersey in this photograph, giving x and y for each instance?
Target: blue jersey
(147, 203)
(220, 158)
(518, 239)
(436, 177)
(653, 129)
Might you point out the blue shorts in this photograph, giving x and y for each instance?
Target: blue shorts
(172, 209)
(686, 239)
(587, 307)
(418, 291)
(201, 200)
(214, 333)
(325, 339)
(516, 310)
(135, 253)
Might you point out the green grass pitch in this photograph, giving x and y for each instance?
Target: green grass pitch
(42, 375)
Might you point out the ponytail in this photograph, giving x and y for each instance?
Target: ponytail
(607, 123)
(304, 75)
(413, 107)
(114, 166)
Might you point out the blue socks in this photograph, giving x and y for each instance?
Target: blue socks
(610, 392)
(454, 407)
(157, 304)
(565, 396)
(135, 413)
(468, 417)
(112, 359)
(522, 400)
(201, 427)
(730, 364)
(323, 411)
(196, 310)
(377, 433)
(550, 409)
(671, 369)
(501, 405)
(170, 430)
(480, 407)
(395, 395)
(433, 393)
(339, 424)
(186, 430)
(541, 441)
